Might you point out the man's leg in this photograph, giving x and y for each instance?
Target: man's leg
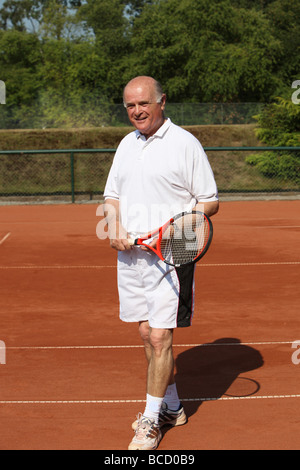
(161, 365)
(160, 389)
(145, 332)
(158, 350)
(160, 370)
(171, 398)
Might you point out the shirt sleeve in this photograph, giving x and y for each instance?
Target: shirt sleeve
(203, 185)
(111, 190)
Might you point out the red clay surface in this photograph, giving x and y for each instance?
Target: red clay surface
(74, 376)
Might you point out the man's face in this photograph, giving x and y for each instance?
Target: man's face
(144, 113)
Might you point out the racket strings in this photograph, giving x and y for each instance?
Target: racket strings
(185, 239)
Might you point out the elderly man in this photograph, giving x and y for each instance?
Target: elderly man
(158, 170)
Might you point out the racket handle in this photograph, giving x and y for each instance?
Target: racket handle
(131, 242)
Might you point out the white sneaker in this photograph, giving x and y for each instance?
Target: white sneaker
(168, 417)
(147, 435)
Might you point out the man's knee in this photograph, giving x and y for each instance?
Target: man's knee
(161, 339)
(144, 331)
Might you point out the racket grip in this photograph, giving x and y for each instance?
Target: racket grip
(131, 242)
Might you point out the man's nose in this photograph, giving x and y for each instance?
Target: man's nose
(137, 109)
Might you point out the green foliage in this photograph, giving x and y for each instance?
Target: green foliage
(284, 167)
(279, 125)
(284, 19)
(204, 51)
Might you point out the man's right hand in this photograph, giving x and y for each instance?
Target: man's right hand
(120, 244)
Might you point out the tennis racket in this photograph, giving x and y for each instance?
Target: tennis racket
(183, 240)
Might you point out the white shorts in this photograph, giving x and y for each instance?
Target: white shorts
(150, 290)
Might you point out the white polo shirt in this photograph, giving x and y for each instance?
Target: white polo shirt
(157, 178)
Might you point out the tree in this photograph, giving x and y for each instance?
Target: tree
(107, 21)
(52, 77)
(16, 13)
(284, 17)
(19, 60)
(110, 29)
(54, 19)
(135, 7)
(279, 125)
(19, 14)
(201, 50)
(206, 50)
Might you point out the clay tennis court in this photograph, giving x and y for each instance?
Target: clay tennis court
(74, 375)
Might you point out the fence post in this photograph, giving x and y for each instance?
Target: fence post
(72, 177)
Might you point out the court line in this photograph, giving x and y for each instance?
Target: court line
(278, 226)
(112, 402)
(133, 346)
(5, 238)
(271, 263)
(205, 399)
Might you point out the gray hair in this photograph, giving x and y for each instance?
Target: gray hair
(159, 91)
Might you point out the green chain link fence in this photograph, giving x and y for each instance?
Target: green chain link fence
(75, 175)
(94, 113)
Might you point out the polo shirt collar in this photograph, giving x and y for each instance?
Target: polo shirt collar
(159, 133)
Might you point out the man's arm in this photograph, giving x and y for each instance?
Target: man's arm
(209, 208)
(117, 234)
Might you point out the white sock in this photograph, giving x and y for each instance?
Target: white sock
(171, 398)
(153, 406)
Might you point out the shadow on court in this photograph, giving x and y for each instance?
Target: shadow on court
(213, 370)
